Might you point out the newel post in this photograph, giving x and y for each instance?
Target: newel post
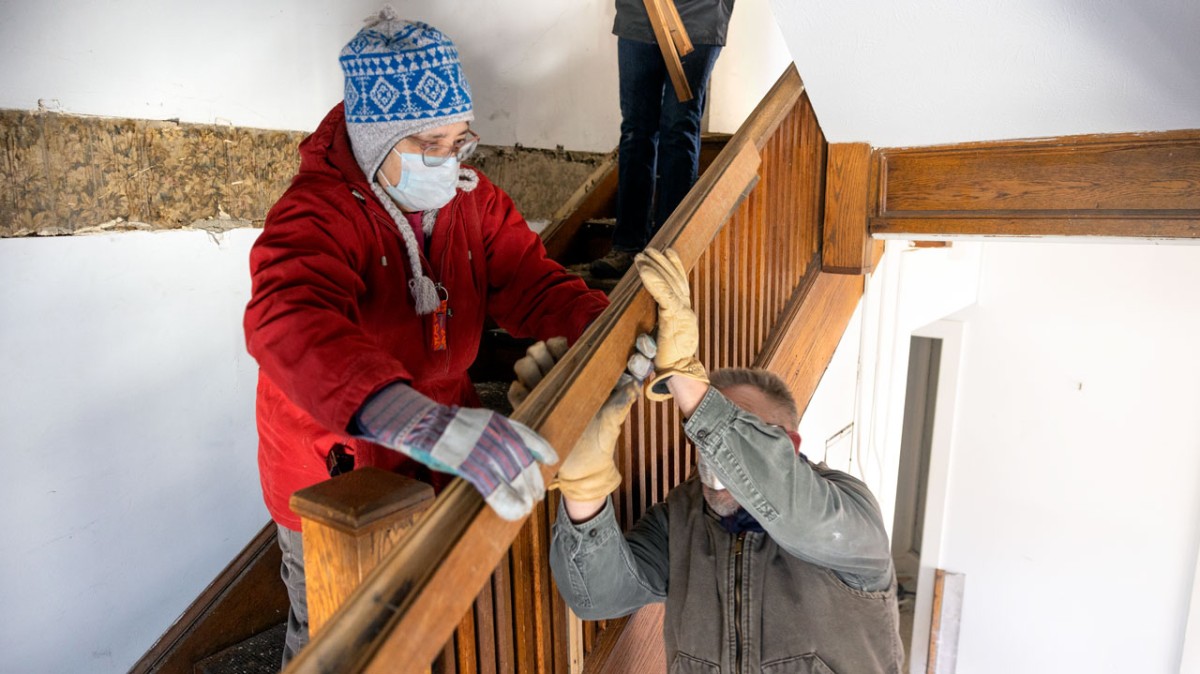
(349, 523)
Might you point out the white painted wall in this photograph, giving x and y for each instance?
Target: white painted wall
(754, 56)
(934, 71)
(127, 404)
(1066, 485)
(1073, 506)
(542, 73)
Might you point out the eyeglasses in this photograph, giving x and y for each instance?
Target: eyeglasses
(434, 154)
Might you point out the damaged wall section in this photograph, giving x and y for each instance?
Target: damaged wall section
(539, 181)
(65, 174)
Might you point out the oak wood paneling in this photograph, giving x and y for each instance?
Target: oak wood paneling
(661, 23)
(638, 647)
(846, 240)
(1144, 185)
(592, 199)
(817, 319)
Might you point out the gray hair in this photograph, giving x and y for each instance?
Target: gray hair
(769, 383)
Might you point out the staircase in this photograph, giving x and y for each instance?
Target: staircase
(464, 591)
(467, 592)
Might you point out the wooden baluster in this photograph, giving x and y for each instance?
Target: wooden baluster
(349, 523)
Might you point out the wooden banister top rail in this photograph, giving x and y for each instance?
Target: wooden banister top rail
(408, 607)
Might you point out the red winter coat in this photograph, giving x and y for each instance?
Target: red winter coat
(330, 324)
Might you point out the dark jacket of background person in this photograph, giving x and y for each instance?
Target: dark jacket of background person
(706, 21)
(805, 580)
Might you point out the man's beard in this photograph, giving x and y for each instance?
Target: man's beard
(720, 500)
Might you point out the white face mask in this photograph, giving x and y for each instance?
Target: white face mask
(422, 187)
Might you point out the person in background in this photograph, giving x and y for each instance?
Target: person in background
(371, 282)
(658, 157)
(765, 561)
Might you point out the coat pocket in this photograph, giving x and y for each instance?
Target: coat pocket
(798, 664)
(686, 664)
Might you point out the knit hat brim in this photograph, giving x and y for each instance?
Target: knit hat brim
(372, 142)
(402, 78)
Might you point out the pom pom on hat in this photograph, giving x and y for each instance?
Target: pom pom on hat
(402, 78)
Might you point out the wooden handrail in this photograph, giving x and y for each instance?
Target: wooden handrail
(409, 606)
(407, 609)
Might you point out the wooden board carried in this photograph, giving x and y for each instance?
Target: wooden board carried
(673, 41)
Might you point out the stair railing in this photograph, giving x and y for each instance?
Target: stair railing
(467, 591)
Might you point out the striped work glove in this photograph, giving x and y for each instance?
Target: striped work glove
(496, 455)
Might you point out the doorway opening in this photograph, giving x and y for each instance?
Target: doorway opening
(912, 486)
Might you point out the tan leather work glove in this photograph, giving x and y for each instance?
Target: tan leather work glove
(533, 366)
(678, 340)
(589, 472)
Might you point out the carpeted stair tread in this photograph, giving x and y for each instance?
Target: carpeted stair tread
(260, 654)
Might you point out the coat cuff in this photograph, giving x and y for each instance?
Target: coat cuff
(587, 536)
(710, 418)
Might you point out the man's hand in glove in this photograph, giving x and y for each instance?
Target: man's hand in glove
(534, 366)
(498, 456)
(589, 473)
(664, 277)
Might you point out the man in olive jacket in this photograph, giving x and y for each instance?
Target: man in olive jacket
(766, 562)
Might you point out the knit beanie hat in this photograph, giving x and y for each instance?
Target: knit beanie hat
(402, 78)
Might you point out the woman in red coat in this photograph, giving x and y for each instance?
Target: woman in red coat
(372, 280)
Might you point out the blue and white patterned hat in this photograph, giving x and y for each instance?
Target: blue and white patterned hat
(402, 78)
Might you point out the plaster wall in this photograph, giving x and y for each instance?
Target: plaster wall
(542, 73)
(754, 56)
(1072, 503)
(127, 404)
(1064, 485)
(932, 71)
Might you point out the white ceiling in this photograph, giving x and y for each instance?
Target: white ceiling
(923, 72)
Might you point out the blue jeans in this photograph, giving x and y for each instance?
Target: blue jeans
(660, 138)
(291, 544)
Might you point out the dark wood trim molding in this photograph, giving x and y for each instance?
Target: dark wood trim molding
(1136, 185)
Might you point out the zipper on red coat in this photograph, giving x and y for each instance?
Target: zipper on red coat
(737, 599)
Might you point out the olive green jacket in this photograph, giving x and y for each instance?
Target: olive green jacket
(814, 592)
